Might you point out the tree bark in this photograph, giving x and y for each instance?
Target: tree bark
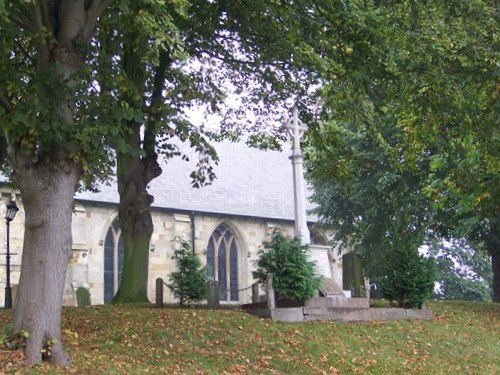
(493, 248)
(47, 185)
(136, 224)
(495, 262)
(47, 194)
(134, 173)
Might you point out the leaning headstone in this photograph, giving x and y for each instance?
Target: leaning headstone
(329, 287)
(82, 297)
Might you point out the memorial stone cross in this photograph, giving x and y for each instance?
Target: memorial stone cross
(295, 129)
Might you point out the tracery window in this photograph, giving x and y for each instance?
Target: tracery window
(113, 261)
(222, 262)
(317, 238)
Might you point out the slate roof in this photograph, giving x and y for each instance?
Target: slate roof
(250, 182)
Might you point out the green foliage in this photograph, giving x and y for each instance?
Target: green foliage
(409, 278)
(155, 61)
(46, 102)
(464, 272)
(189, 282)
(362, 193)
(15, 339)
(286, 260)
(407, 145)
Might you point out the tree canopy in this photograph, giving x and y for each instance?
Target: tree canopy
(407, 146)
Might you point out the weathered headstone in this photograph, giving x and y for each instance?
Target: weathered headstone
(319, 256)
(329, 287)
(213, 294)
(159, 292)
(82, 297)
(353, 275)
(255, 293)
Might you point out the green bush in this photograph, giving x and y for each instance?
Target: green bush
(409, 278)
(189, 283)
(286, 260)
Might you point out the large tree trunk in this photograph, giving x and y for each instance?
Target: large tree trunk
(493, 247)
(133, 175)
(47, 194)
(495, 262)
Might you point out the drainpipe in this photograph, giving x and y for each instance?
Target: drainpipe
(193, 235)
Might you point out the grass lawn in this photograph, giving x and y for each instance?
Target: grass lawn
(463, 338)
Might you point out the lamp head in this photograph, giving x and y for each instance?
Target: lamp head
(11, 211)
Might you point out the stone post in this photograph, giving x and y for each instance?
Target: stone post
(255, 293)
(271, 302)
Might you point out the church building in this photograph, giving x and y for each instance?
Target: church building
(225, 222)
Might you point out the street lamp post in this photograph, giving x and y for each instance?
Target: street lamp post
(9, 216)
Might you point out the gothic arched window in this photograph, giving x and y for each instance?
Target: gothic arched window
(318, 238)
(222, 262)
(113, 261)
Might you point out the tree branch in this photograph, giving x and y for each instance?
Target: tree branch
(151, 166)
(46, 19)
(37, 25)
(95, 10)
(6, 104)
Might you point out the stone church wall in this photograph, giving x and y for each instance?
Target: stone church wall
(91, 222)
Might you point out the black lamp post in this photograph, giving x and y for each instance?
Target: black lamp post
(9, 216)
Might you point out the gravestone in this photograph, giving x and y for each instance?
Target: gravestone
(159, 292)
(82, 297)
(255, 293)
(213, 294)
(353, 275)
(330, 288)
(319, 256)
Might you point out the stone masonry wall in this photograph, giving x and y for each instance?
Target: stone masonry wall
(91, 223)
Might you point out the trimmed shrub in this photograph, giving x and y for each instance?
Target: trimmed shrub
(189, 283)
(286, 260)
(409, 278)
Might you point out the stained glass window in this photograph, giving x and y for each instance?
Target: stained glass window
(222, 262)
(113, 261)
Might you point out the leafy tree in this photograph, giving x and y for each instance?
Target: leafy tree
(51, 140)
(409, 278)
(286, 260)
(447, 112)
(413, 134)
(79, 78)
(82, 78)
(372, 205)
(464, 273)
(189, 283)
(156, 70)
(138, 41)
